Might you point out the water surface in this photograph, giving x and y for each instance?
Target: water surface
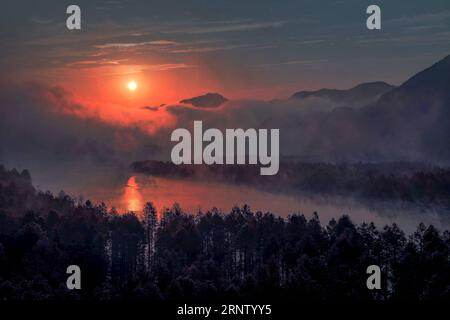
(126, 191)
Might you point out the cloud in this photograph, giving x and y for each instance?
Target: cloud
(404, 127)
(414, 20)
(115, 67)
(60, 129)
(39, 20)
(168, 66)
(229, 27)
(208, 49)
(136, 44)
(295, 62)
(151, 108)
(46, 126)
(95, 63)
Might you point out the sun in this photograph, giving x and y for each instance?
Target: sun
(132, 85)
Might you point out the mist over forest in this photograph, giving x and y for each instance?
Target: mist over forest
(210, 256)
(408, 123)
(373, 142)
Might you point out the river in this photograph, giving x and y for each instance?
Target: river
(129, 192)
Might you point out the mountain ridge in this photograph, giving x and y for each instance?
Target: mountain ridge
(358, 95)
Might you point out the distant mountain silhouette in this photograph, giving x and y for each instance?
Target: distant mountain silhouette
(407, 123)
(357, 96)
(428, 86)
(417, 112)
(209, 100)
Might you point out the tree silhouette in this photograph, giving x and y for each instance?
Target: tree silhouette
(205, 256)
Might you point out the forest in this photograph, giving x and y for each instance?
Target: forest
(205, 256)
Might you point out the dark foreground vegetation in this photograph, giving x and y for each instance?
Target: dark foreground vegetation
(207, 256)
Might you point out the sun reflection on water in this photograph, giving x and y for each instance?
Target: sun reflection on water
(132, 195)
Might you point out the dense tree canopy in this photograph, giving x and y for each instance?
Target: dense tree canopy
(209, 255)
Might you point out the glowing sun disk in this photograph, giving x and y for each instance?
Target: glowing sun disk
(132, 85)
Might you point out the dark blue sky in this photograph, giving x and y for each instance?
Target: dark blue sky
(245, 48)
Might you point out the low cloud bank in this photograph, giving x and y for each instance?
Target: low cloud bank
(409, 123)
